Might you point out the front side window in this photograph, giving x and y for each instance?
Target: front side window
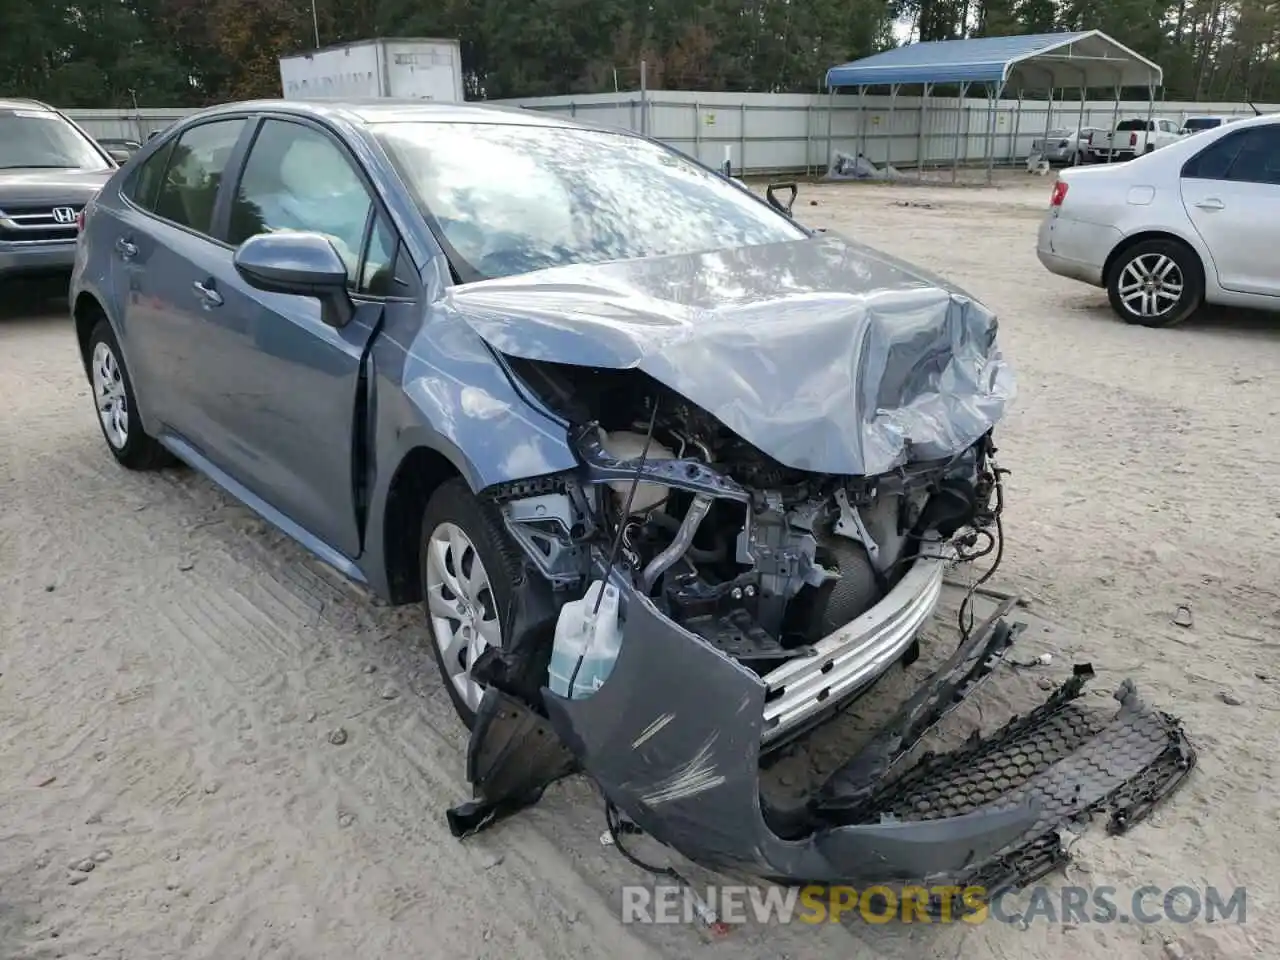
(42, 139)
(378, 272)
(194, 173)
(507, 198)
(296, 178)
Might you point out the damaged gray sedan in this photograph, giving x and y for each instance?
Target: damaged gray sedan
(675, 477)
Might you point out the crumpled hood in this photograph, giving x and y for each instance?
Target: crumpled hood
(826, 355)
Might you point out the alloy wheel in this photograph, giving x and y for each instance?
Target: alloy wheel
(462, 607)
(1151, 285)
(110, 396)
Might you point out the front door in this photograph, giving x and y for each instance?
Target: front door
(1231, 192)
(283, 386)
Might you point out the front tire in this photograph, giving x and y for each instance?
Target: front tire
(1156, 283)
(468, 570)
(116, 404)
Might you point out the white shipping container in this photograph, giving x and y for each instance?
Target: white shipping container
(420, 69)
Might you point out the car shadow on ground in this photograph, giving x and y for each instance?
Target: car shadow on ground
(28, 298)
(1234, 322)
(1215, 321)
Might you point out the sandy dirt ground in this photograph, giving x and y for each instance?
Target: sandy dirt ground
(173, 672)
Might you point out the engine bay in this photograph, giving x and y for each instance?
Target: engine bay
(759, 559)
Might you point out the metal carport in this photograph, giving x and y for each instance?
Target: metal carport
(1054, 61)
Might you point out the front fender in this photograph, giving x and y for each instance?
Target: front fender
(438, 387)
(461, 402)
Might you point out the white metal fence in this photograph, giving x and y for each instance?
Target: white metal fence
(770, 133)
(127, 124)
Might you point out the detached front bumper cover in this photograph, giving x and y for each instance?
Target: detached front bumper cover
(677, 750)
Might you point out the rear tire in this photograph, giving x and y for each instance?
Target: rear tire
(469, 571)
(116, 404)
(1156, 283)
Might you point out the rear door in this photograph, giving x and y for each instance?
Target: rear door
(164, 252)
(1231, 192)
(284, 386)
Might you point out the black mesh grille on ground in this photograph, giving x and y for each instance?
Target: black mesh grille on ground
(1072, 761)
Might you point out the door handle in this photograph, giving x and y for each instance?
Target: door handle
(1210, 203)
(126, 248)
(206, 292)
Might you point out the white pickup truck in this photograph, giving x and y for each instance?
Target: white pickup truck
(1136, 136)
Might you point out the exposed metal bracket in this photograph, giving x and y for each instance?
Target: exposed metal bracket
(849, 524)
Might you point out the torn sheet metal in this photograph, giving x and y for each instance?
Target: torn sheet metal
(825, 354)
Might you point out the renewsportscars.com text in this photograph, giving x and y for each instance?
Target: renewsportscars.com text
(731, 904)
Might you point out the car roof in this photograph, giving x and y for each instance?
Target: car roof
(22, 103)
(376, 110)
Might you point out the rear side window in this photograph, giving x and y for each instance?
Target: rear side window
(1259, 158)
(143, 187)
(1246, 156)
(194, 172)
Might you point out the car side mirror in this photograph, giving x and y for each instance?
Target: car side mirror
(119, 155)
(302, 264)
(782, 206)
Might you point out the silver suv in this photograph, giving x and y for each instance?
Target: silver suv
(49, 169)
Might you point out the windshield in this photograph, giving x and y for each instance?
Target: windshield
(509, 199)
(39, 138)
(1059, 134)
(1202, 123)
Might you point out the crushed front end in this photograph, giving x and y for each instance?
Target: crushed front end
(772, 547)
(812, 584)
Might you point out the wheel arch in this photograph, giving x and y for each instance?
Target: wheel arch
(86, 312)
(1133, 239)
(420, 472)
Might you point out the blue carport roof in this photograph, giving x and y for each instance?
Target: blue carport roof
(994, 59)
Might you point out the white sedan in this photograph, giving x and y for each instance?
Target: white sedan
(1196, 222)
